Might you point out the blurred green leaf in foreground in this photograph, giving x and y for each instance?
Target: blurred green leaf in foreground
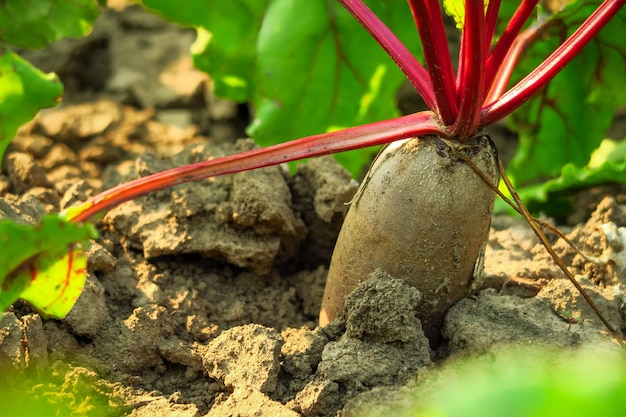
(44, 264)
(523, 382)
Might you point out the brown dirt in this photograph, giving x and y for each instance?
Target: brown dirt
(203, 299)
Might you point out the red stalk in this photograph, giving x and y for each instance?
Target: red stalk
(551, 66)
(429, 19)
(407, 63)
(491, 20)
(502, 78)
(501, 49)
(471, 70)
(372, 134)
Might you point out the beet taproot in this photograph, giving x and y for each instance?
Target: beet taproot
(422, 215)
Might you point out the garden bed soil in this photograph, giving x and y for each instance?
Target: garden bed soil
(203, 299)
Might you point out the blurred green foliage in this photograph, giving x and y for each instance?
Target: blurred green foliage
(522, 382)
(34, 24)
(44, 263)
(62, 392)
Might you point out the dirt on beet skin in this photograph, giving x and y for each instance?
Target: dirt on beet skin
(202, 300)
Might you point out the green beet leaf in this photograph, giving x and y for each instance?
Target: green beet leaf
(44, 263)
(56, 280)
(36, 23)
(456, 10)
(556, 196)
(565, 122)
(329, 75)
(23, 91)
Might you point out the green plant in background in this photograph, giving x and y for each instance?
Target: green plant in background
(330, 74)
(24, 90)
(561, 127)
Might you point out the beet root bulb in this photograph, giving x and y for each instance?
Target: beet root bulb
(422, 215)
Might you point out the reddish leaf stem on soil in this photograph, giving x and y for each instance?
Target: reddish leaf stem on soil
(428, 18)
(378, 133)
(408, 64)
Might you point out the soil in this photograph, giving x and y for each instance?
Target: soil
(202, 300)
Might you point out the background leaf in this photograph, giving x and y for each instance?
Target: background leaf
(57, 390)
(23, 91)
(456, 10)
(226, 43)
(36, 23)
(567, 120)
(43, 263)
(556, 196)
